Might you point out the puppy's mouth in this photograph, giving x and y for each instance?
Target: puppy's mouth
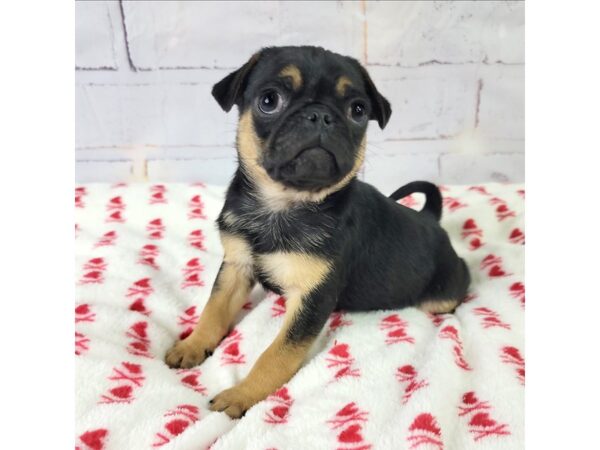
(312, 168)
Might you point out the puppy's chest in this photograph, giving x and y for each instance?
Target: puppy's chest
(294, 230)
(283, 252)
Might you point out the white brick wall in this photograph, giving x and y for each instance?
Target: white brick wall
(453, 71)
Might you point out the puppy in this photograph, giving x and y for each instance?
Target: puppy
(297, 220)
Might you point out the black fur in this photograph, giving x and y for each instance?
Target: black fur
(384, 255)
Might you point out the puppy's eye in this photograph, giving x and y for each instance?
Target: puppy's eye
(357, 111)
(270, 102)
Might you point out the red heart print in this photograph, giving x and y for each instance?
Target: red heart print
(340, 350)
(351, 434)
(348, 410)
(191, 379)
(232, 349)
(116, 200)
(94, 275)
(158, 195)
(513, 352)
(116, 215)
(517, 287)
(280, 411)
(185, 333)
(195, 262)
(96, 261)
(408, 370)
(516, 233)
(282, 393)
(392, 319)
(398, 332)
(475, 243)
(190, 311)
(195, 199)
(140, 328)
(121, 391)
(138, 306)
(149, 261)
(193, 278)
(82, 309)
(196, 233)
(157, 222)
(156, 234)
(469, 398)
(469, 225)
(143, 283)
(140, 346)
(502, 208)
(426, 422)
(133, 368)
(496, 271)
(177, 426)
(150, 247)
(94, 439)
(482, 419)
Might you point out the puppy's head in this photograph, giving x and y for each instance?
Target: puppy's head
(303, 117)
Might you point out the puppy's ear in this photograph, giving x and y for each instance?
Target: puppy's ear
(381, 109)
(228, 91)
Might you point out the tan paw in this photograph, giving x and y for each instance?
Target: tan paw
(234, 402)
(186, 354)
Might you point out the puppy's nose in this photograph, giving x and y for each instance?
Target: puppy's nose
(319, 116)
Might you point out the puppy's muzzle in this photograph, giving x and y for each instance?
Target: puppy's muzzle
(311, 168)
(302, 155)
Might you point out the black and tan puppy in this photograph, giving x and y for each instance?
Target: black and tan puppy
(298, 221)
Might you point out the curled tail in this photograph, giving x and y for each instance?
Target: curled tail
(433, 202)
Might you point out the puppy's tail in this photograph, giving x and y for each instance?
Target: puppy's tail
(433, 202)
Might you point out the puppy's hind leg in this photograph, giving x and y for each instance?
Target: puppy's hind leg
(439, 306)
(230, 291)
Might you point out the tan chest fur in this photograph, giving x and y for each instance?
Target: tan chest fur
(296, 273)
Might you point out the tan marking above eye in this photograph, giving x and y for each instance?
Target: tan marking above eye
(294, 73)
(342, 83)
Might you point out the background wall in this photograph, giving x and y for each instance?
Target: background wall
(453, 71)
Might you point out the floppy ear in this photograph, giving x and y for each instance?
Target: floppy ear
(228, 91)
(381, 109)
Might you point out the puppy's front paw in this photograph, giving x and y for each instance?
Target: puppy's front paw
(186, 354)
(234, 402)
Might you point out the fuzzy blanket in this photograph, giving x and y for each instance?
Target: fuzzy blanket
(146, 256)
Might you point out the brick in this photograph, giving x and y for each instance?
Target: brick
(414, 33)
(387, 172)
(477, 168)
(427, 102)
(502, 102)
(210, 171)
(151, 114)
(176, 34)
(171, 34)
(336, 26)
(94, 40)
(102, 171)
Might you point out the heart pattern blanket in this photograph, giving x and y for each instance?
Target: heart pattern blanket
(146, 257)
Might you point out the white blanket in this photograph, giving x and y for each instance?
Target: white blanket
(146, 256)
